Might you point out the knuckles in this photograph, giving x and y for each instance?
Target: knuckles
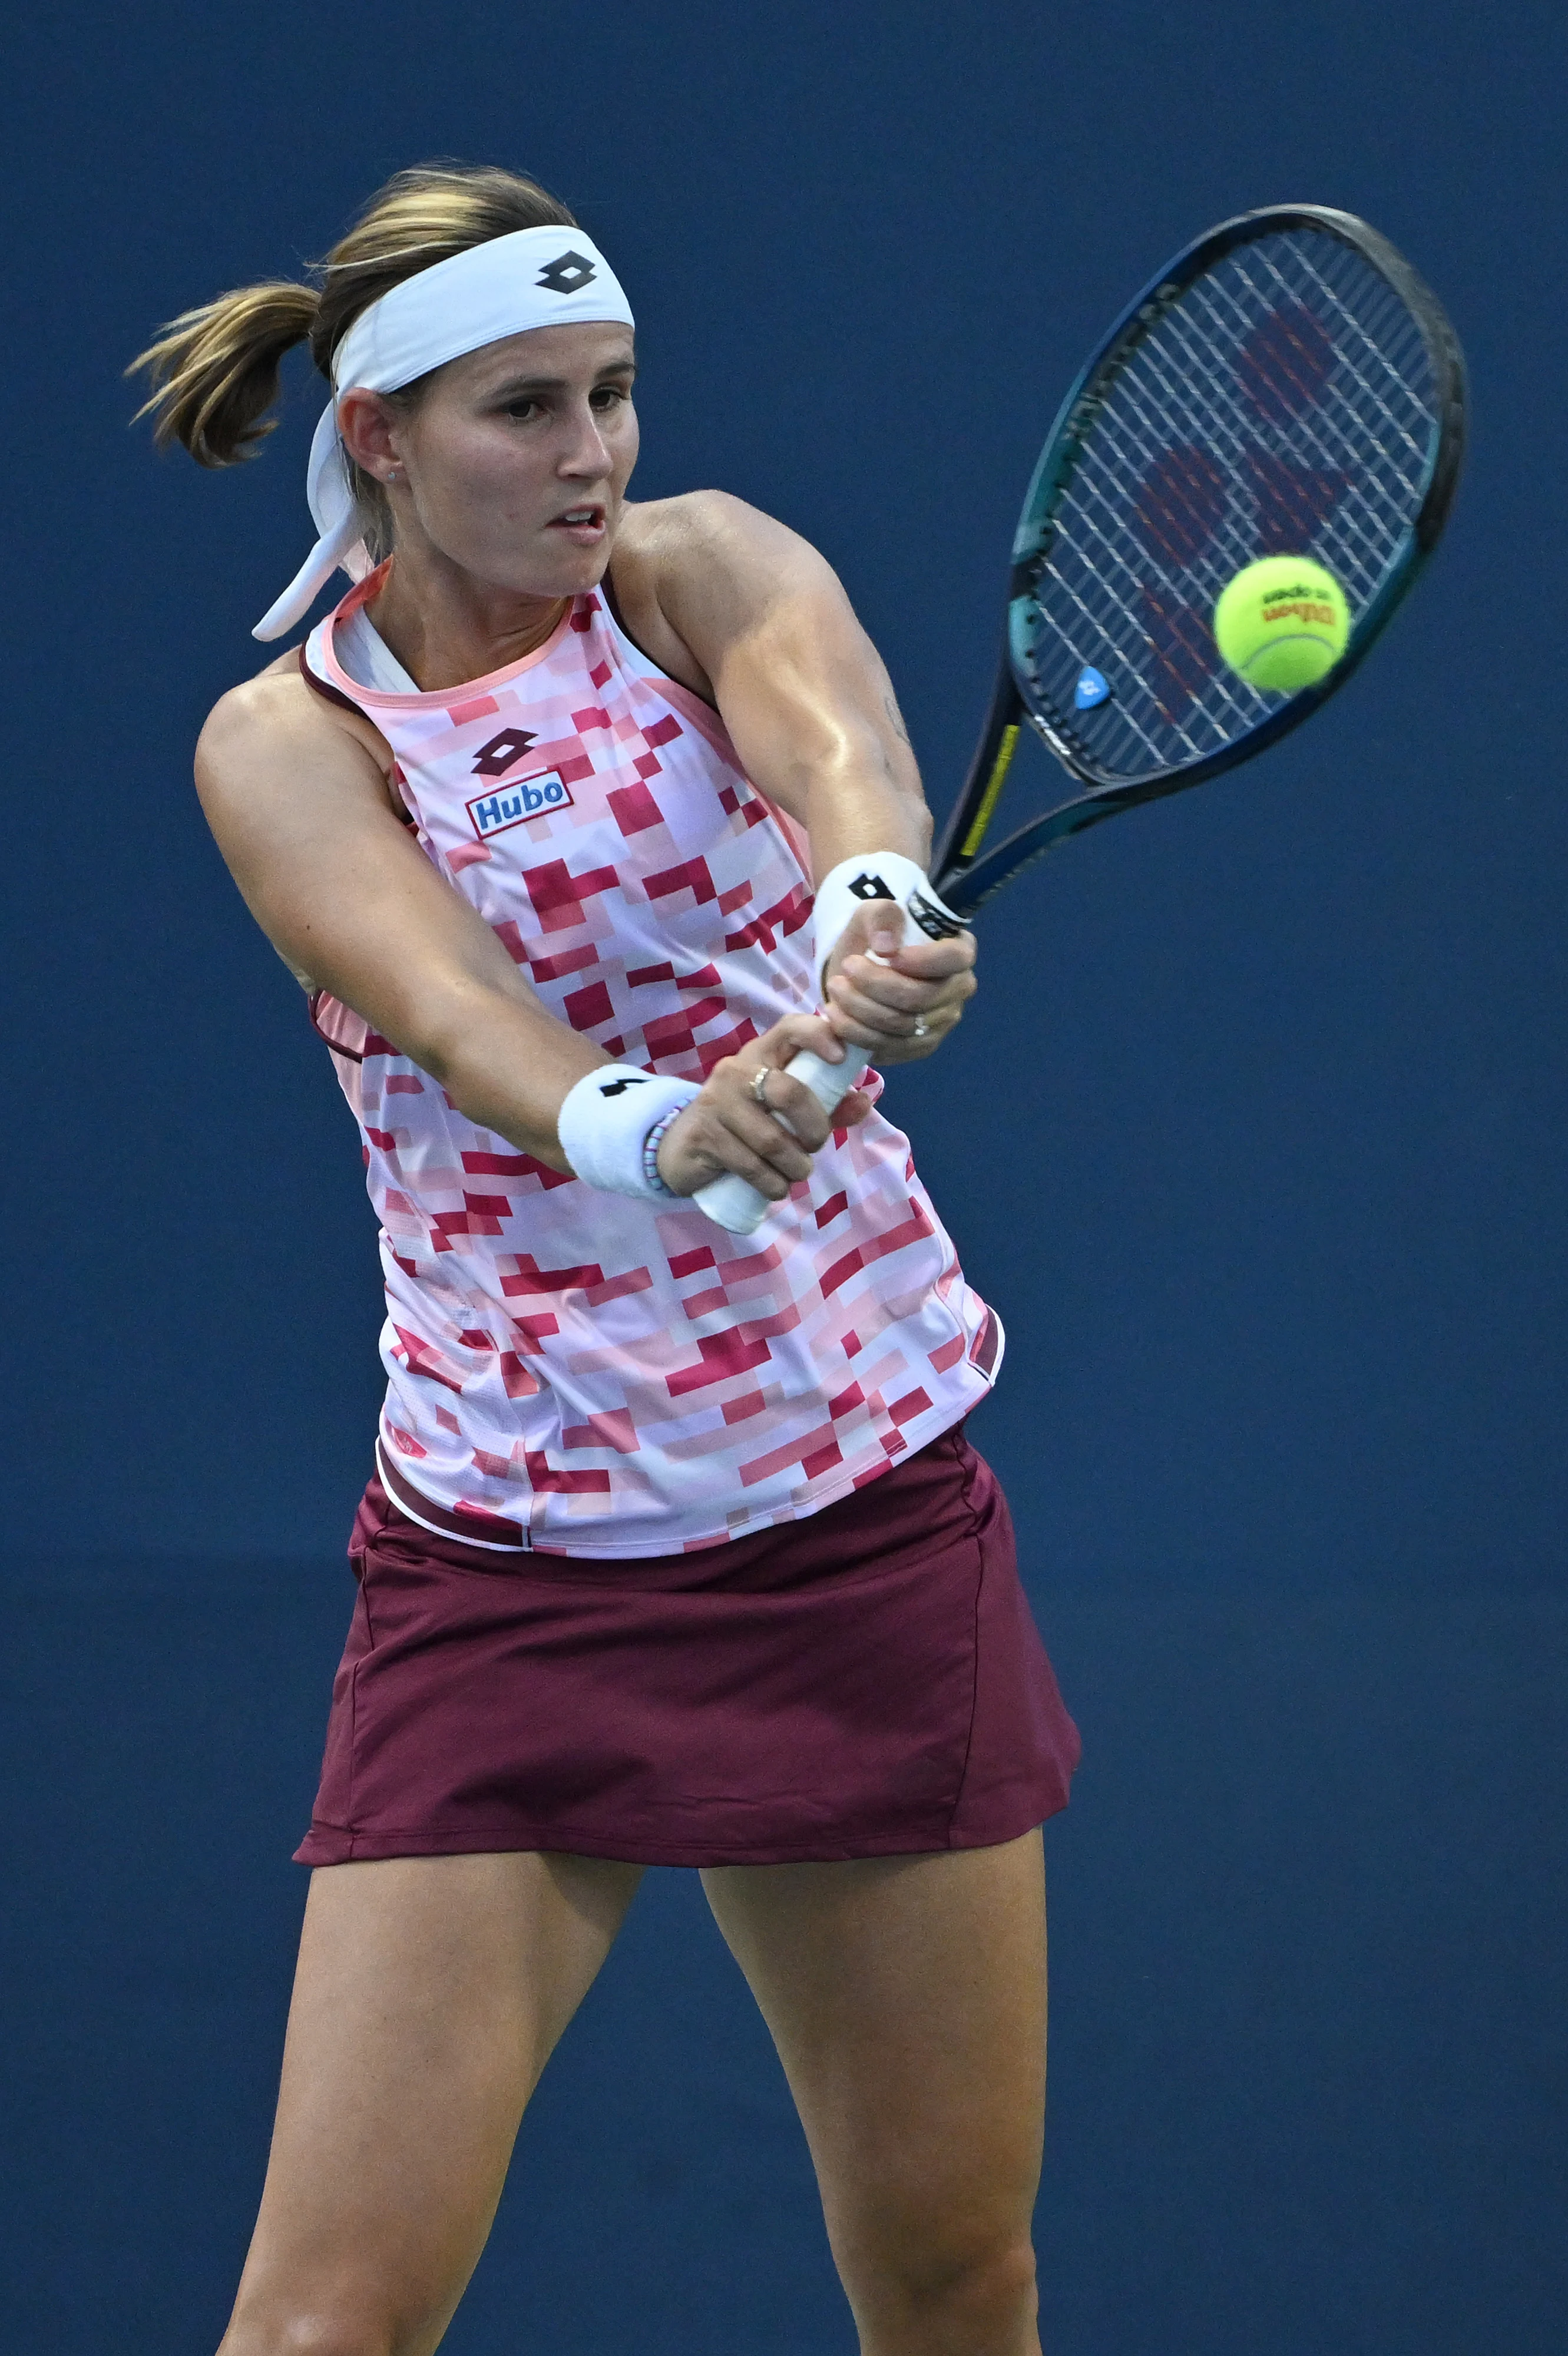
(799, 1108)
(787, 1100)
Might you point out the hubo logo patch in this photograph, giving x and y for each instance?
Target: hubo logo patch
(513, 804)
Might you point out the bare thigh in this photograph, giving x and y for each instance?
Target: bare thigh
(907, 1997)
(429, 1995)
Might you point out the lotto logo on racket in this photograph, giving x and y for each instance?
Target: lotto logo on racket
(515, 803)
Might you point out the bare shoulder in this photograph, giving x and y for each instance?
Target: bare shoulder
(695, 573)
(704, 528)
(294, 786)
(276, 725)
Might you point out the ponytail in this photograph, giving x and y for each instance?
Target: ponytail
(214, 370)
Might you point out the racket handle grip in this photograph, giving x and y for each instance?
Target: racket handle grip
(734, 1203)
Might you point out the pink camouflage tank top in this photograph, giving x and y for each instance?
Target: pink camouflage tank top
(573, 1371)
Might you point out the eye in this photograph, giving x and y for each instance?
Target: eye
(607, 397)
(523, 408)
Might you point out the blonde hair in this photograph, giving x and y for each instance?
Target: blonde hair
(214, 370)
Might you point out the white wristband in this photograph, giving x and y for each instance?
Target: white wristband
(607, 1117)
(884, 875)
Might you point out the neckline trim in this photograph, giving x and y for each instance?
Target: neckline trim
(432, 699)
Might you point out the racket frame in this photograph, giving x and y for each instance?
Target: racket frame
(964, 873)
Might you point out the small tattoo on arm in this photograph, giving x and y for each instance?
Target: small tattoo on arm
(895, 716)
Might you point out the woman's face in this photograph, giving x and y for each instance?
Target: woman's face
(514, 465)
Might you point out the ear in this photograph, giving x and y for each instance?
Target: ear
(368, 426)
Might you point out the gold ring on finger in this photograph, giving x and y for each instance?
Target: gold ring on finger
(923, 1027)
(759, 1085)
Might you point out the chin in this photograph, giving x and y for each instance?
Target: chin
(560, 573)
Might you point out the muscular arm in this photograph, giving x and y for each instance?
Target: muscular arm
(802, 689)
(745, 611)
(298, 798)
(303, 814)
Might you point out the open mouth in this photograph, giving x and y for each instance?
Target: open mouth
(587, 521)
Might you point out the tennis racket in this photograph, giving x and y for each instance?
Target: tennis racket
(1286, 386)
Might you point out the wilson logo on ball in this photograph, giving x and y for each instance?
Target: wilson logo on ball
(1303, 609)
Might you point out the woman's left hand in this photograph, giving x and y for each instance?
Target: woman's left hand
(900, 1005)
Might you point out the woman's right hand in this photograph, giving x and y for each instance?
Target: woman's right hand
(728, 1128)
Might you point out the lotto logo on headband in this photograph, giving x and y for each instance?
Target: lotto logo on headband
(569, 273)
(514, 805)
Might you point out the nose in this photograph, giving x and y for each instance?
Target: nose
(585, 453)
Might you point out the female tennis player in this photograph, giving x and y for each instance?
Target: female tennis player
(676, 1552)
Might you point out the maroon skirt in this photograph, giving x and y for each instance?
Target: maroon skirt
(867, 1681)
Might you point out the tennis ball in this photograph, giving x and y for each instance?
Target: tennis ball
(1281, 624)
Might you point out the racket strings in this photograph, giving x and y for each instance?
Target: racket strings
(1338, 480)
(1114, 483)
(1118, 593)
(1285, 405)
(1162, 397)
(1099, 495)
(1087, 648)
(1362, 521)
(1365, 463)
(1110, 602)
(1116, 622)
(1398, 352)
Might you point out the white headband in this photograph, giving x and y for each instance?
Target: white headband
(533, 278)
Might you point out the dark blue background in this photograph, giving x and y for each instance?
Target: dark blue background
(1253, 1137)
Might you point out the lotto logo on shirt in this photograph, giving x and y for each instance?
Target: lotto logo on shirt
(524, 798)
